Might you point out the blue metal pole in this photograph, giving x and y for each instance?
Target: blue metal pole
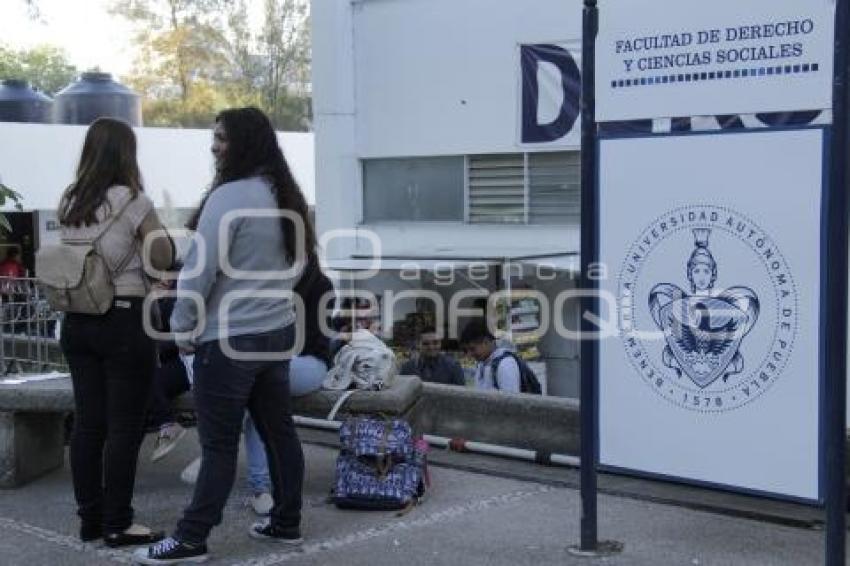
(837, 207)
(589, 256)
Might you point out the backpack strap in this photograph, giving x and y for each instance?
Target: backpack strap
(126, 259)
(113, 220)
(494, 367)
(384, 463)
(339, 403)
(94, 241)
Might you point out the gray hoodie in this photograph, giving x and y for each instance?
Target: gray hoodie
(250, 244)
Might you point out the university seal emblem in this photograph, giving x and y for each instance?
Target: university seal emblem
(717, 336)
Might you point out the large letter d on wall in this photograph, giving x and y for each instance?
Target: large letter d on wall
(550, 80)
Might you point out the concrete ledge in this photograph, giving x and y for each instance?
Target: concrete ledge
(50, 396)
(56, 395)
(533, 422)
(32, 416)
(395, 401)
(31, 444)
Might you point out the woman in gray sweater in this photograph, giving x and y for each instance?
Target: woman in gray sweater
(236, 312)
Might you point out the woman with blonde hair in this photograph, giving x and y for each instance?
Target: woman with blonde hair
(110, 356)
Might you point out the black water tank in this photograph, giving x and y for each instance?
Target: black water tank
(20, 103)
(95, 95)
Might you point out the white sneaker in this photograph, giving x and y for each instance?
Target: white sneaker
(166, 440)
(190, 473)
(262, 504)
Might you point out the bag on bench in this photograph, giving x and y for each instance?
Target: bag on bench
(364, 363)
(380, 465)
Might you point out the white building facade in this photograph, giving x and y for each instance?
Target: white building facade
(447, 131)
(39, 161)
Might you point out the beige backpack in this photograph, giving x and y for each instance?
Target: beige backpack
(75, 277)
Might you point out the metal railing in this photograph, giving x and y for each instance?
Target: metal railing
(29, 329)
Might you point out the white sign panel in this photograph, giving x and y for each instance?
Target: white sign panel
(712, 242)
(661, 59)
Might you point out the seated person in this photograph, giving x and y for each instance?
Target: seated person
(477, 340)
(430, 364)
(171, 379)
(343, 328)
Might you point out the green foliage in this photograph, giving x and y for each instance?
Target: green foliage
(45, 67)
(198, 110)
(285, 42)
(197, 57)
(7, 194)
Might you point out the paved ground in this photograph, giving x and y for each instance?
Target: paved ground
(471, 518)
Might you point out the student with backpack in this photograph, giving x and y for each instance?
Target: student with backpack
(239, 321)
(104, 216)
(498, 368)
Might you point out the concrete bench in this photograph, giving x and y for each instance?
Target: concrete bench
(32, 417)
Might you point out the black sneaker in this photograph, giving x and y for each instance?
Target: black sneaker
(135, 535)
(172, 551)
(90, 532)
(285, 535)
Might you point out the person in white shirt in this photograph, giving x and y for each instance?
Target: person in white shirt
(480, 344)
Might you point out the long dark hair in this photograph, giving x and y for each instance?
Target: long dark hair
(108, 159)
(252, 149)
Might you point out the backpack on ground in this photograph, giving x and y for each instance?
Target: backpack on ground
(74, 275)
(528, 382)
(381, 466)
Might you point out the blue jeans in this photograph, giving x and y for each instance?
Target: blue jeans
(223, 388)
(306, 374)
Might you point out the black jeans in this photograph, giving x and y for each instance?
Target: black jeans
(112, 362)
(223, 387)
(169, 382)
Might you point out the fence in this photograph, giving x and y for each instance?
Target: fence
(29, 329)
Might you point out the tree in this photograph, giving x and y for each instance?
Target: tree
(286, 45)
(197, 57)
(45, 67)
(273, 66)
(180, 41)
(183, 54)
(7, 194)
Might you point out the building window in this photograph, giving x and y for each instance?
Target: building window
(524, 188)
(497, 188)
(506, 188)
(554, 187)
(413, 189)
